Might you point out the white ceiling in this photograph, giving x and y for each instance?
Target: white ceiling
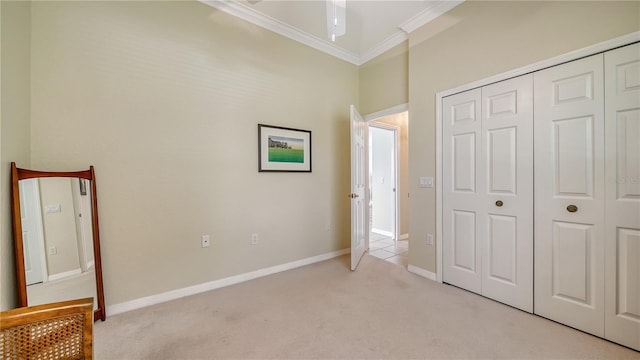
(373, 26)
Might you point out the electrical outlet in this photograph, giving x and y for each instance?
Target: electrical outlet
(429, 239)
(53, 250)
(254, 239)
(206, 241)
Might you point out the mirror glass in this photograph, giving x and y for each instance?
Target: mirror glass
(56, 237)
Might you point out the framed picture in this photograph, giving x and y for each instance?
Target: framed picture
(283, 149)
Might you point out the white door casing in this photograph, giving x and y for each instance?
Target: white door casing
(359, 180)
(383, 179)
(507, 143)
(32, 231)
(82, 215)
(462, 178)
(622, 216)
(397, 112)
(569, 194)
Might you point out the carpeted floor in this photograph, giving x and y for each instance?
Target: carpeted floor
(323, 310)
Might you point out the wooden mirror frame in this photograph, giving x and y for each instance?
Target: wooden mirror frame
(21, 174)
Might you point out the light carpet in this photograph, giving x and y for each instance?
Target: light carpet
(324, 310)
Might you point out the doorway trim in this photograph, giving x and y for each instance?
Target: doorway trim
(369, 118)
(394, 110)
(557, 60)
(32, 194)
(394, 129)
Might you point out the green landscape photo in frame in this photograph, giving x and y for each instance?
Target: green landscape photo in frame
(282, 149)
(285, 149)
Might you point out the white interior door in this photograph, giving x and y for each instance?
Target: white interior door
(622, 217)
(507, 143)
(569, 194)
(32, 234)
(359, 176)
(462, 180)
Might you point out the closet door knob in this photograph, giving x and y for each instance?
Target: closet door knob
(499, 203)
(572, 208)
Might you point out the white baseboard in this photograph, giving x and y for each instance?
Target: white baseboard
(216, 284)
(65, 274)
(404, 236)
(382, 232)
(422, 272)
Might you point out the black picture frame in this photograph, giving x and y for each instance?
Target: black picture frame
(283, 149)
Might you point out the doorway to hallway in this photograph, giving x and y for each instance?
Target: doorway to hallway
(388, 187)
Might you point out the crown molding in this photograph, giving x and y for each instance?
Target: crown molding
(246, 13)
(429, 14)
(409, 26)
(384, 46)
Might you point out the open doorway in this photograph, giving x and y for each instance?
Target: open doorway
(388, 186)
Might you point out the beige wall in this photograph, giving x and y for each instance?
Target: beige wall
(402, 122)
(164, 99)
(383, 80)
(474, 41)
(14, 126)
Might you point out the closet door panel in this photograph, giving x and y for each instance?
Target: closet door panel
(626, 128)
(502, 164)
(573, 279)
(507, 129)
(573, 160)
(569, 194)
(464, 240)
(502, 250)
(461, 180)
(464, 161)
(622, 233)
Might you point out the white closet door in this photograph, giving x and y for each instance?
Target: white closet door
(569, 194)
(462, 181)
(507, 242)
(622, 232)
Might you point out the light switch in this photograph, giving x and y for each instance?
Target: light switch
(426, 182)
